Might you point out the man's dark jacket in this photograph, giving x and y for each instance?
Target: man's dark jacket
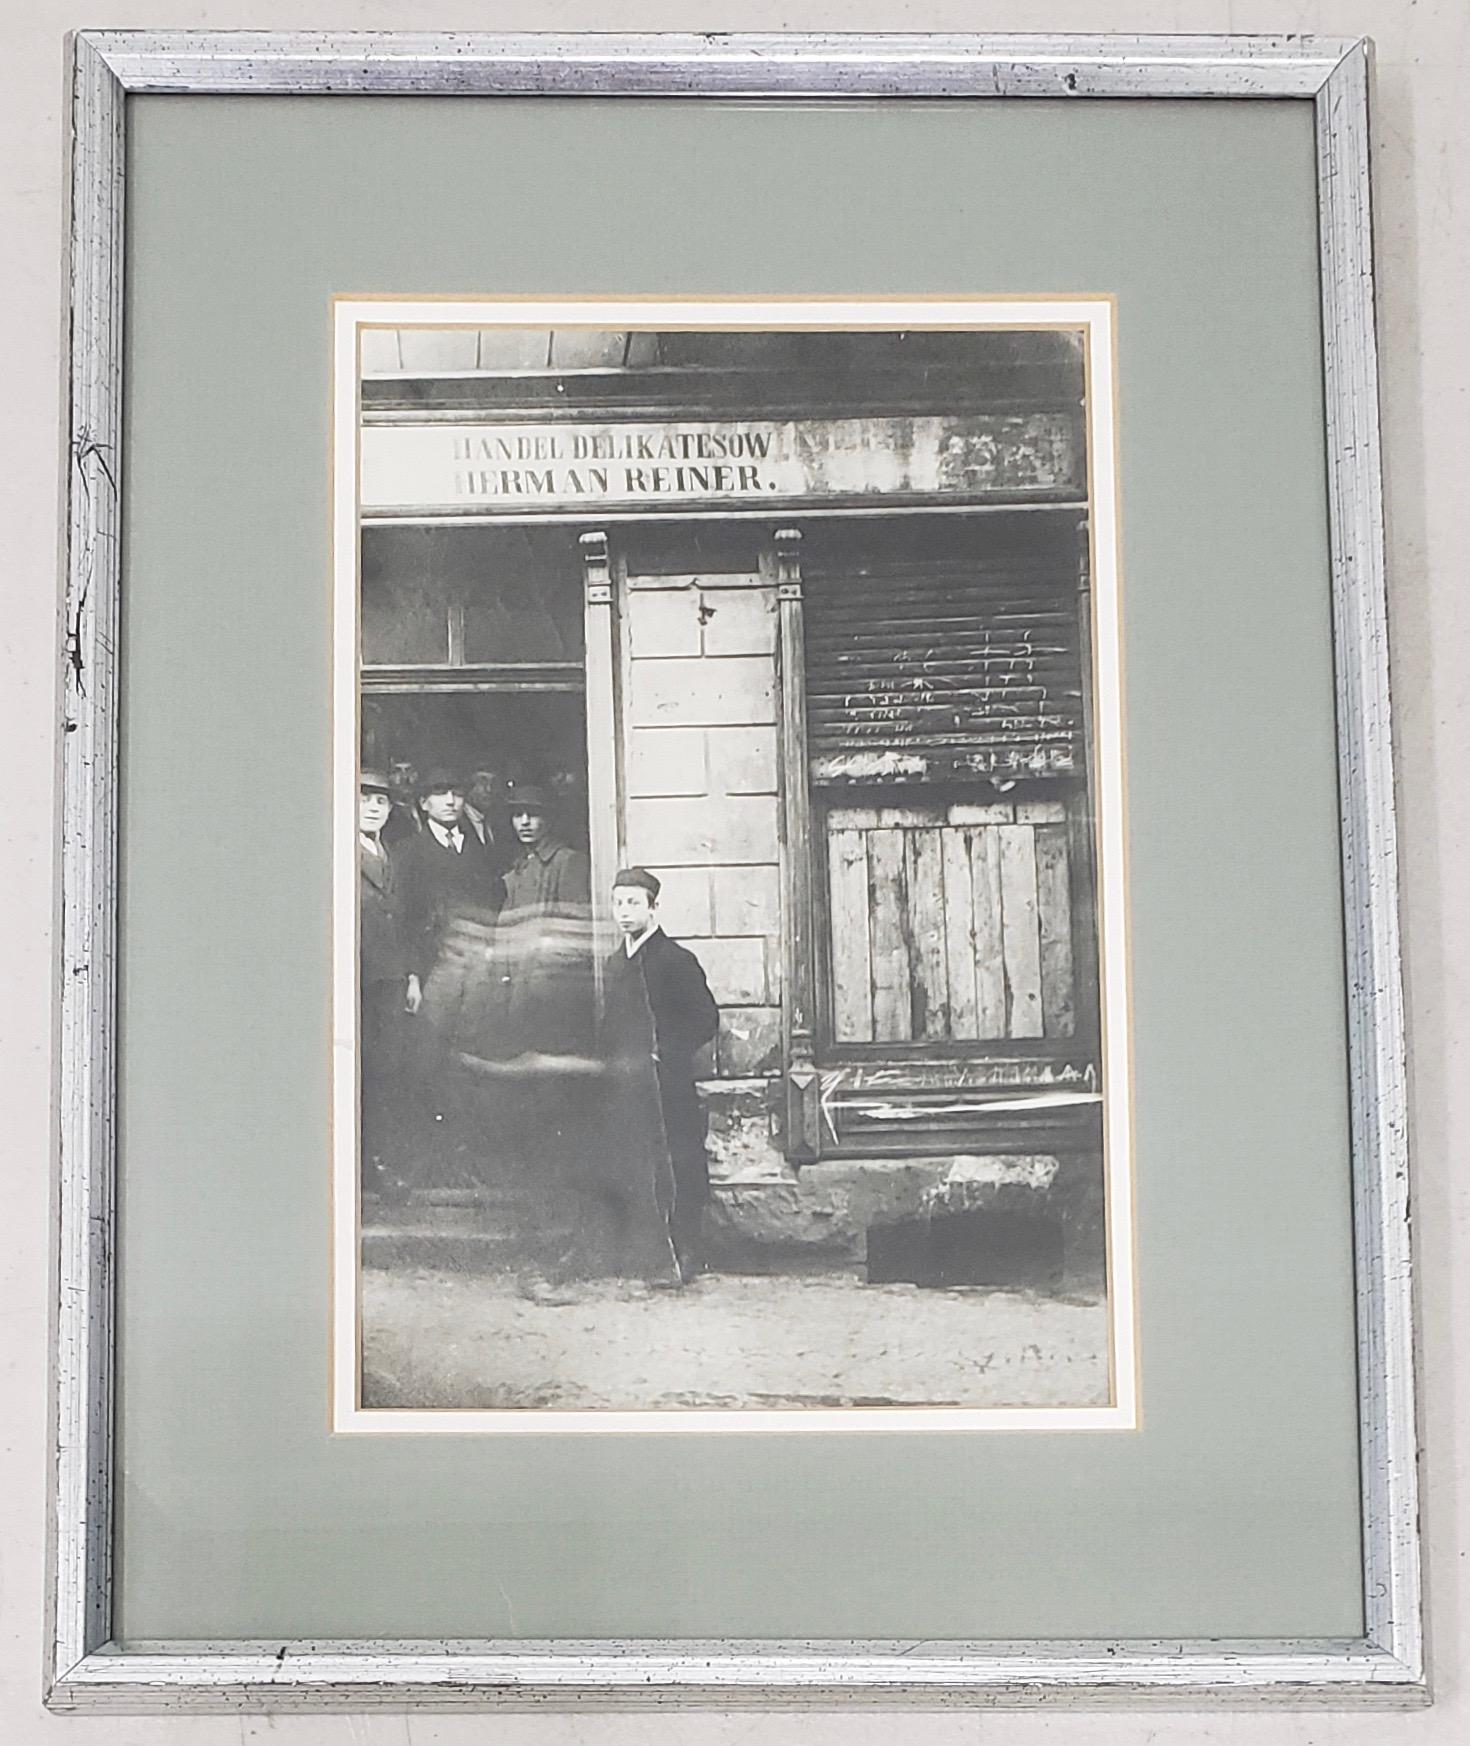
(383, 956)
(440, 883)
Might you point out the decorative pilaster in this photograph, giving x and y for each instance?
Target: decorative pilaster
(1084, 637)
(1083, 813)
(602, 723)
(803, 1130)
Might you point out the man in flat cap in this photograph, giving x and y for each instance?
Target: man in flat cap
(656, 998)
(548, 876)
(544, 1033)
(388, 991)
(545, 933)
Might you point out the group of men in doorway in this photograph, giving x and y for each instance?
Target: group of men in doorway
(484, 1028)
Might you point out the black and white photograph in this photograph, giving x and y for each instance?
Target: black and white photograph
(731, 1009)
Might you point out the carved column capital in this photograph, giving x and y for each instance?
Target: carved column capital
(788, 563)
(596, 568)
(603, 727)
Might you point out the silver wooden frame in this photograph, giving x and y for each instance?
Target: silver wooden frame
(87, 1669)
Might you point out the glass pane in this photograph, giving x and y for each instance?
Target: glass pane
(405, 611)
(522, 594)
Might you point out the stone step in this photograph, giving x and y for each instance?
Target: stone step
(440, 1248)
(1015, 1223)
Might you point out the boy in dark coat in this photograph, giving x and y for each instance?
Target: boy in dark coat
(656, 998)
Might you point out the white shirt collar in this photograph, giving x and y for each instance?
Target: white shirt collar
(631, 945)
(450, 837)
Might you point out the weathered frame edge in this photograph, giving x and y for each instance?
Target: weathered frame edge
(85, 1670)
(1388, 1429)
(83, 1328)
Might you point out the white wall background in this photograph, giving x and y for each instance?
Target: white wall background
(1423, 196)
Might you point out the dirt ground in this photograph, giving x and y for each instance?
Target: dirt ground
(438, 1339)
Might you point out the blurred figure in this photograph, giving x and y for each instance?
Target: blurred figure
(403, 820)
(388, 992)
(569, 799)
(544, 1037)
(545, 939)
(656, 998)
(485, 811)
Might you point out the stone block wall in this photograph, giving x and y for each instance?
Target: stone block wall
(701, 809)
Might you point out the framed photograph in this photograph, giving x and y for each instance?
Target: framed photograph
(592, 615)
(730, 993)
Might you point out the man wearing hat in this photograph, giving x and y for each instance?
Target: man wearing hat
(387, 987)
(484, 810)
(404, 820)
(453, 892)
(544, 1032)
(545, 932)
(548, 876)
(656, 998)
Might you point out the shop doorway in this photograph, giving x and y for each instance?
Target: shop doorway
(489, 739)
(472, 661)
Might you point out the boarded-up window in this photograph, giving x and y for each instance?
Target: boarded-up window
(950, 922)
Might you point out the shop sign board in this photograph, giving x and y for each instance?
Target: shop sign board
(642, 464)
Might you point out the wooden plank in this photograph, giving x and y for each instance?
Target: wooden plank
(1020, 928)
(1081, 852)
(908, 817)
(847, 887)
(992, 1004)
(892, 976)
(995, 812)
(1054, 911)
(851, 818)
(959, 933)
(924, 865)
(427, 349)
(1041, 812)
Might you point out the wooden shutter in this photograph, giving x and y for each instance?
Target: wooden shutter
(936, 671)
(951, 922)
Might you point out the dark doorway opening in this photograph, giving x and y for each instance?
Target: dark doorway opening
(513, 736)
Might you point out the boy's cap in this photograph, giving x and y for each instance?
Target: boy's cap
(640, 878)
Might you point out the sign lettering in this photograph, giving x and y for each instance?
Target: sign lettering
(486, 467)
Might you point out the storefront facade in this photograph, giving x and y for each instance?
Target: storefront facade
(802, 623)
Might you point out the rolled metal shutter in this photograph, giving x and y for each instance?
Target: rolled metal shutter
(944, 671)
